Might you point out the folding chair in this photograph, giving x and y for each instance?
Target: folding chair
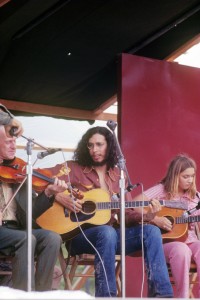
(75, 277)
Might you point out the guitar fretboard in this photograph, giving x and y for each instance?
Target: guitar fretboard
(190, 219)
(127, 204)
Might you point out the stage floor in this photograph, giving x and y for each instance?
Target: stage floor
(9, 293)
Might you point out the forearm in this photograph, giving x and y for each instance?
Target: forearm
(134, 217)
(143, 214)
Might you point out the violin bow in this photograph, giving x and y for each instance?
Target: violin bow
(13, 196)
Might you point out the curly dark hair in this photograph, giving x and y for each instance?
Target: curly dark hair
(82, 155)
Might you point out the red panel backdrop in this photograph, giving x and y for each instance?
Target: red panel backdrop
(159, 117)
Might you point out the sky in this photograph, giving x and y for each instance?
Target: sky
(191, 57)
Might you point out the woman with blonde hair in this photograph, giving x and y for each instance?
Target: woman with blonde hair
(179, 183)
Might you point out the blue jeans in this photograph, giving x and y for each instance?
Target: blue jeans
(106, 240)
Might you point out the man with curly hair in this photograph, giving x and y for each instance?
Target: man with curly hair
(95, 167)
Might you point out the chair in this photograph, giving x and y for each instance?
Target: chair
(77, 269)
(192, 280)
(5, 270)
(5, 264)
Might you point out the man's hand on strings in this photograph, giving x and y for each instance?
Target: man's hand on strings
(69, 201)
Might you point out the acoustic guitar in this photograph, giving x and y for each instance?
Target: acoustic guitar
(96, 210)
(180, 224)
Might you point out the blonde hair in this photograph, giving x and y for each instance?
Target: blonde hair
(171, 181)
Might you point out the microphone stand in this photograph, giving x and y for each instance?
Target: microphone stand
(35, 143)
(29, 172)
(121, 164)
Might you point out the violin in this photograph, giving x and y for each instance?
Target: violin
(14, 171)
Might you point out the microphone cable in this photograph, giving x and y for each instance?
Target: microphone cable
(95, 249)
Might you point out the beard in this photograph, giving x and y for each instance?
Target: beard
(99, 164)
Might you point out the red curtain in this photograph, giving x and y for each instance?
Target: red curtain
(159, 117)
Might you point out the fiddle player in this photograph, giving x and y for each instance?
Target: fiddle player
(13, 237)
(9, 121)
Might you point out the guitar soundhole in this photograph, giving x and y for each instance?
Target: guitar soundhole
(88, 207)
(87, 212)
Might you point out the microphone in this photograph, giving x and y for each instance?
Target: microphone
(111, 124)
(41, 155)
(132, 186)
(191, 211)
(116, 197)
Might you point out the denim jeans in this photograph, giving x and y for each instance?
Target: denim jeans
(106, 240)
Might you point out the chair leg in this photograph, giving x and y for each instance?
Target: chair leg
(87, 272)
(118, 278)
(68, 285)
(74, 265)
(193, 280)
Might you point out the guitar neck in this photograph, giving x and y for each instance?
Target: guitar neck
(190, 219)
(127, 204)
